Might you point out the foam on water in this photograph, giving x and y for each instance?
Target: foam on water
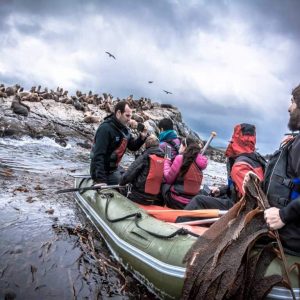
(39, 155)
(45, 141)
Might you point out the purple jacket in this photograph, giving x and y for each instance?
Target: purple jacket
(174, 152)
(172, 169)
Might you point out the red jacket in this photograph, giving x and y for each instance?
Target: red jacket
(240, 168)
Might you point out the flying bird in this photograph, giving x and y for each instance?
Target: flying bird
(110, 55)
(167, 92)
(150, 81)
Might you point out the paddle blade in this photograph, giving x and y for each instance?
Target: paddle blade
(170, 215)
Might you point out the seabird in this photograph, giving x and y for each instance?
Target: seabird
(110, 55)
(167, 92)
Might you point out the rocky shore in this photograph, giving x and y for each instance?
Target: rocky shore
(42, 112)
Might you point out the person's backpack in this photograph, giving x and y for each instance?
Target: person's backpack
(155, 175)
(174, 145)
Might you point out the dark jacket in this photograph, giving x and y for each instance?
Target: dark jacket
(108, 138)
(138, 171)
(290, 213)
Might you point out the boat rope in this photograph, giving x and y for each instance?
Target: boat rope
(138, 216)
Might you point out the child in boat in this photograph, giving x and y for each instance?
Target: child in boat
(183, 176)
(168, 137)
(146, 174)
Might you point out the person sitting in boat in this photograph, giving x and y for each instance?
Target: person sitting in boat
(111, 140)
(146, 174)
(282, 184)
(168, 137)
(241, 158)
(183, 176)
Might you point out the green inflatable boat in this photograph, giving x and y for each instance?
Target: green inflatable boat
(151, 249)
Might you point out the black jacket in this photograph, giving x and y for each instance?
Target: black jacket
(108, 138)
(138, 171)
(290, 214)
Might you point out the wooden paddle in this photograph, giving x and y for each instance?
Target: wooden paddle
(199, 222)
(170, 215)
(212, 135)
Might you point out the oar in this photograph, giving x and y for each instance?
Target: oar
(199, 222)
(80, 175)
(201, 213)
(212, 135)
(90, 188)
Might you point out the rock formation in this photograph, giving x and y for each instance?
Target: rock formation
(54, 113)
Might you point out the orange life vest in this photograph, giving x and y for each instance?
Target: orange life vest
(189, 185)
(155, 175)
(119, 152)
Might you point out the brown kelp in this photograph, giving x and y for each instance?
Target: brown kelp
(223, 263)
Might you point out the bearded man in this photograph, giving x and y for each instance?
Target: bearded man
(282, 184)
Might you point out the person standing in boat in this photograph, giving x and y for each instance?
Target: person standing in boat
(183, 176)
(282, 184)
(241, 158)
(111, 140)
(146, 174)
(168, 137)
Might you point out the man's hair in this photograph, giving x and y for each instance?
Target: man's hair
(296, 95)
(151, 141)
(165, 124)
(121, 106)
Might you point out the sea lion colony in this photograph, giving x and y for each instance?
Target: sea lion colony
(80, 100)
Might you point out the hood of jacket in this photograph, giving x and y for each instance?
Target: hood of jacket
(243, 140)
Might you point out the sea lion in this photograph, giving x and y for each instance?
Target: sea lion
(10, 91)
(3, 94)
(19, 108)
(23, 94)
(90, 118)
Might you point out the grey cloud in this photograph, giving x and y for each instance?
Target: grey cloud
(168, 25)
(271, 15)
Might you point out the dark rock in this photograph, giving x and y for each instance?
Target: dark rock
(85, 145)
(9, 295)
(165, 105)
(61, 141)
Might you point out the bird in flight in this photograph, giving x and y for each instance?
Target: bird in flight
(167, 92)
(150, 81)
(110, 55)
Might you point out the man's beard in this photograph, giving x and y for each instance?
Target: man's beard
(294, 122)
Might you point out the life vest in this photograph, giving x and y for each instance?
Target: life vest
(254, 159)
(118, 153)
(189, 185)
(278, 186)
(155, 175)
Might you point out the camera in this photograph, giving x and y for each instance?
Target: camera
(168, 152)
(140, 127)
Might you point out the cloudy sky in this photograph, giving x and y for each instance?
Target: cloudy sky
(224, 61)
